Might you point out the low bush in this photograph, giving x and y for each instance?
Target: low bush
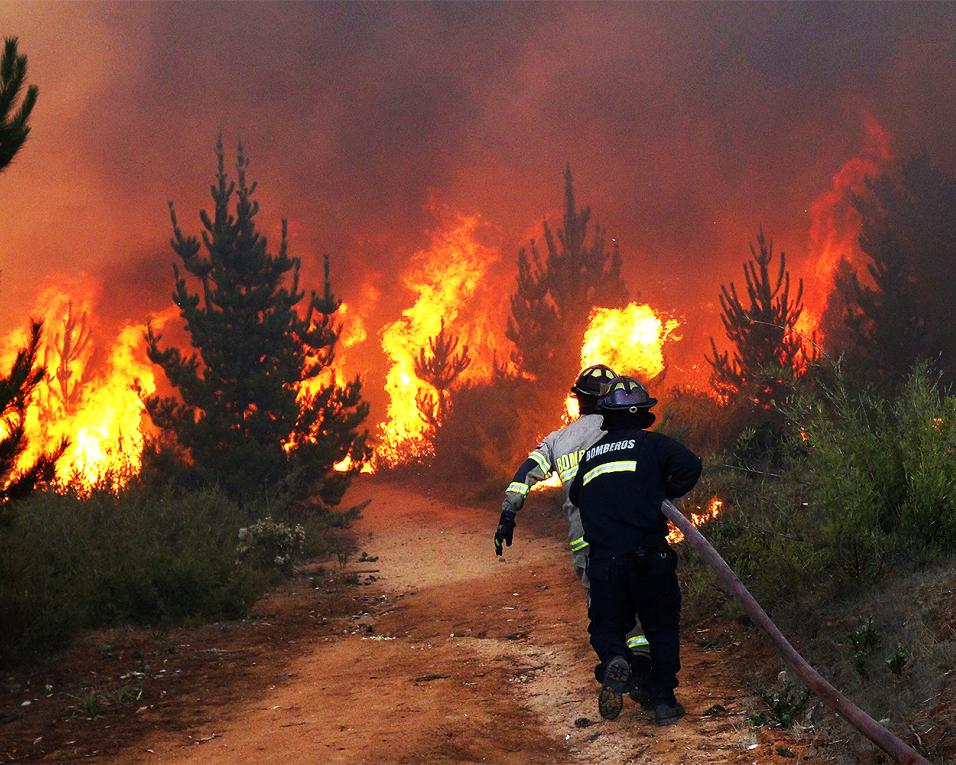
(866, 486)
(140, 555)
(848, 541)
(267, 543)
(783, 707)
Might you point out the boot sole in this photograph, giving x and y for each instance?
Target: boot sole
(611, 699)
(610, 703)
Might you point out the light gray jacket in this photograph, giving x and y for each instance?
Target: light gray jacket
(559, 453)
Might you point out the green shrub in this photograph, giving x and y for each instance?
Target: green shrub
(783, 706)
(867, 486)
(141, 556)
(864, 640)
(882, 471)
(896, 662)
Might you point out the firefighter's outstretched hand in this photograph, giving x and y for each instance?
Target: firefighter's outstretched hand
(504, 534)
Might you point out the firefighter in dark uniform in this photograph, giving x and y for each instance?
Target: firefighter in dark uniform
(619, 487)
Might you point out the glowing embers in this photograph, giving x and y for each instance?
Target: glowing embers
(711, 512)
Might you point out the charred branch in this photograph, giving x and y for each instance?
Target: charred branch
(440, 367)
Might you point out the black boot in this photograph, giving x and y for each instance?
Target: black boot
(616, 679)
(599, 672)
(640, 690)
(668, 714)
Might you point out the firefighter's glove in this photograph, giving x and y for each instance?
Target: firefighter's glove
(505, 531)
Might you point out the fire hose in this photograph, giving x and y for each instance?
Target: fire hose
(882, 737)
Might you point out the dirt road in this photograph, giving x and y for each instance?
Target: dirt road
(462, 658)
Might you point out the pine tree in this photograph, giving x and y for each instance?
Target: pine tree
(16, 389)
(13, 121)
(440, 368)
(555, 294)
(766, 348)
(885, 323)
(902, 312)
(242, 413)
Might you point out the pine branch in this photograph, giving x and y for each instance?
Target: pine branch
(16, 389)
(13, 127)
(71, 345)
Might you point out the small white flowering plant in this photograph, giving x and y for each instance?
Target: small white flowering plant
(268, 544)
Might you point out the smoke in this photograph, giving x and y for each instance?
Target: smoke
(687, 126)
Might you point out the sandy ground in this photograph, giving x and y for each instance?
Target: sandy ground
(459, 657)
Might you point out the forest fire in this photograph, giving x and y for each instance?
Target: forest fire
(95, 406)
(711, 512)
(835, 226)
(447, 280)
(95, 403)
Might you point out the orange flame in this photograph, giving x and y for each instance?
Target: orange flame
(344, 465)
(553, 481)
(448, 281)
(353, 333)
(353, 328)
(572, 410)
(835, 225)
(97, 409)
(676, 536)
(630, 340)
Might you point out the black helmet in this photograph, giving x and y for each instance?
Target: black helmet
(625, 394)
(593, 380)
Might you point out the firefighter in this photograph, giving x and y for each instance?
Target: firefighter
(559, 452)
(619, 486)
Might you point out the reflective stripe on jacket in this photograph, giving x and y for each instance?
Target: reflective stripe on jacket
(560, 452)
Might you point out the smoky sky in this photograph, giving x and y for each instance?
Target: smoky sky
(686, 125)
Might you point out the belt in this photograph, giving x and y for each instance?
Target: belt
(638, 553)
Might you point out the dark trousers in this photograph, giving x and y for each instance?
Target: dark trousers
(646, 583)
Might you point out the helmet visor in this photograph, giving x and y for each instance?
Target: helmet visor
(621, 398)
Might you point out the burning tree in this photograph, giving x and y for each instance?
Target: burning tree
(767, 351)
(555, 294)
(13, 124)
(16, 390)
(258, 406)
(70, 348)
(440, 369)
(907, 224)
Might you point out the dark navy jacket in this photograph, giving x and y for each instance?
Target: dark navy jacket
(620, 485)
